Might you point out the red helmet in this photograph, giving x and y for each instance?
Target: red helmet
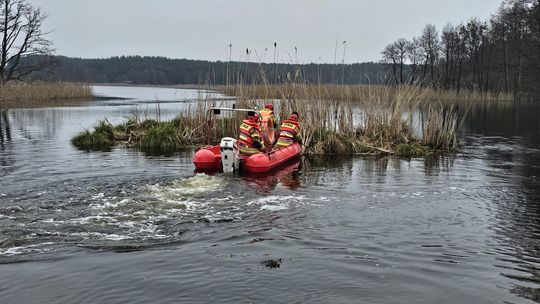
(269, 106)
(294, 116)
(253, 118)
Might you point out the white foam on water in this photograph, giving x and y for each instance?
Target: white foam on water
(110, 205)
(179, 189)
(142, 215)
(11, 251)
(276, 203)
(116, 237)
(88, 219)
(119, 220)
(98, 196)
(25, 249)
(99, 236)
(53, 221)
(275, 208)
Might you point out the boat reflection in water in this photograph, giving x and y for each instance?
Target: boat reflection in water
(286, 175)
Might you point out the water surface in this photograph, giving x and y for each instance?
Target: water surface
(123, 226)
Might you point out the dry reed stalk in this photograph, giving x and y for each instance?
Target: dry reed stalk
(441, 128)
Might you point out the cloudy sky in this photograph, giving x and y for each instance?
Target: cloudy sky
(203, 29)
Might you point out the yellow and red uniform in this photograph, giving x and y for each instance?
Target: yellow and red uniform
(249, 142)
(288, 134)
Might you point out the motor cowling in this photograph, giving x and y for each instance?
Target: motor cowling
(229, 154)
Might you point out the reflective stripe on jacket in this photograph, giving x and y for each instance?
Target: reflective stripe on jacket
(249, 135)
(288, 133)
(247, 150)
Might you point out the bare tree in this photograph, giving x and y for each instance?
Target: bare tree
(500, 31)
(475, 31)
(430, 45)
(450, 43)
(414, 54)
(21, 35)
(401, 46)
(391, 55)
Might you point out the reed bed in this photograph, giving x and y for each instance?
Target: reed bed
(41, 93)
(342, 119)
(353, 92)
(381, 121)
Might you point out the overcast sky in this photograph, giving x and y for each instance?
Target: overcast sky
(203, 29)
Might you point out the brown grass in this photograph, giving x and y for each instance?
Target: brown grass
(21, 94)
(353, 92)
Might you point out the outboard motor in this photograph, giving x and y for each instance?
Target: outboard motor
(229, 154)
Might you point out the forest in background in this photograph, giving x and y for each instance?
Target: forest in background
(165, 71)
(501, 54)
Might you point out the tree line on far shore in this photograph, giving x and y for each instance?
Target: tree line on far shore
(498, 55)
(166, 71)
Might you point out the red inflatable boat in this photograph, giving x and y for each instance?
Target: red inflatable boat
(225, 155)
(209, 158)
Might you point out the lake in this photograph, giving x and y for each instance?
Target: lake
(126, 227)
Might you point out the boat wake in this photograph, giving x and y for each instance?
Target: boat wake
(132, 217)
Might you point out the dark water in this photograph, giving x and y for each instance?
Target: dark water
(125, 227)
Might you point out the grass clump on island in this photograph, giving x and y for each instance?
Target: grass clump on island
(102, 138)
(381, 123)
